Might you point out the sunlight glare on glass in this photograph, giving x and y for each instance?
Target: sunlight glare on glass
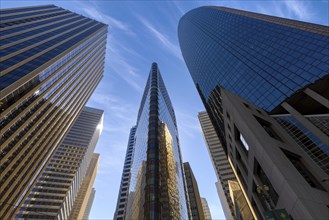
(100, 125)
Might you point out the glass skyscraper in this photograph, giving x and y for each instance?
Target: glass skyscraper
(156, 186)
(261, 58)
(51, 62)
(271, 62)
(264, 81)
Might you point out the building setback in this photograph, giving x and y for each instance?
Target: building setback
(156, 186)
(83, 202)
(193, 193)
(51, 62)
(264, 82)
(120, 210)
(206, 209)
(89, 204)
(63, 189)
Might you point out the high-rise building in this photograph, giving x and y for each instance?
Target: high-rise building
(264, 82)
(121, 208)
(206, 209)
(89, 204)
(220, 163)
(156, 186)
(51, 62)
(63, 189)
(83, 202)
(194, 198)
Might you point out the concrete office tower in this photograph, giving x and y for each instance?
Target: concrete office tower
(206, 209)
(156, 189)
(264, 82)
(82, 206)
(220, 163)
(193, 193)
(89, 204)
(121, 208)
(51, 62)
(63, 189)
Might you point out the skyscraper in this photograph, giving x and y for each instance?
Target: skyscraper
(121, 208)
(264, 83)
(206, 209)
(83, 202)
(220, 163)
(89, 204)
(193, 193)
(51, 62)
(156, 188)
(63, 189)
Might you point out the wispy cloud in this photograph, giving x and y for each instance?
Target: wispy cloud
(188, 124)
(117, 123)
(162, 38)
(118, 63)
(298, 9)
(178, 7)
(93, 11)
(106, 19)
(116, 52)
(293, 9)
(117, 108)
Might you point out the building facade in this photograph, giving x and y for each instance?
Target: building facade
(83, 202)
(89, 204)
(157, 188)
(206, 209)
(121, 208)
(264, 83)
(194, 198)
(63, 189)
(220, 163)
(51, 62)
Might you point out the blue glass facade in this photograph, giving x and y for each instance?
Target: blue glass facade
(51, 62)
(50, 38)
(156, 189)
(260, 58)
(238, 58)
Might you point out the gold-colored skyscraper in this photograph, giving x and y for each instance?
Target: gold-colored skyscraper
(156, 180)
(51, 62)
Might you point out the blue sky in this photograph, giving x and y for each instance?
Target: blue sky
(142, 32)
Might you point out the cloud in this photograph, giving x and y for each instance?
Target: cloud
(293, 9)
(92, 10)
(298, 9)
(162, 38)
(106, 19)
(116, 52)
(187, 124)
(178, 7)
(115, 106)
(110, 163)
(117, 61)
